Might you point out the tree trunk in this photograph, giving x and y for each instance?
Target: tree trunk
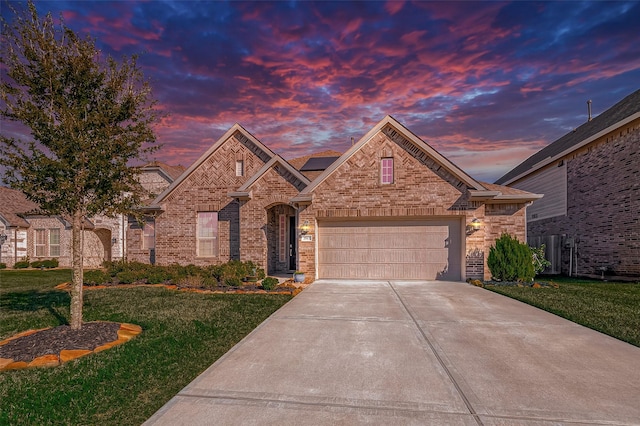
(78, 278)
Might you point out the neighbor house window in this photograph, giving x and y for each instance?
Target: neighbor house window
(41, 242)
(207, 234)
(149, 235)
(48, 242)
(54, 242)
(386, 175)
(239, 167)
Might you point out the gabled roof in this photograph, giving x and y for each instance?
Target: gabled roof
(236, 130)
(244, 192)
(407, 134)
(618, 115)
(14, 204)
(299, 162)
(171, 172)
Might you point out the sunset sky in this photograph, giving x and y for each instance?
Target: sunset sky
(485, 83)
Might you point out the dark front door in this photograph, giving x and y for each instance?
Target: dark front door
(292, 243)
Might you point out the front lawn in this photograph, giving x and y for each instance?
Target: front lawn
(183, 334)
(611, 308)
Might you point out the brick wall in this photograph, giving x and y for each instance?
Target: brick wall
(603, 206)
(420, 189)
(205, 189)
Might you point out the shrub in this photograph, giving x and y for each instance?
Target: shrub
(21, 264)
(269, 283)
(540, 263)
(37, 264)
(233, 282)
(3, 265)
(190, 281)
(127, 277)
(158, 275)
(96, 277)
(510, 260)
(51, 263)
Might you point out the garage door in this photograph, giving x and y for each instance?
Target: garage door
(391, 249)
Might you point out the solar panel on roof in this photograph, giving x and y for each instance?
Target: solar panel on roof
(317, 163)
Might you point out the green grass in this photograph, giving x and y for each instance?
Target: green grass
(611, 308)
(183, 333)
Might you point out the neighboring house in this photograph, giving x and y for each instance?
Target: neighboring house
(33, 235)
(391, 207)
(589, 217)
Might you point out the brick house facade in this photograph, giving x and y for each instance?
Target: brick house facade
(33, 236)
(255, 206)
(589, 218)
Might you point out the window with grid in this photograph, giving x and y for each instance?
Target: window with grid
(149, 235)
(239, 168)
(207, 234)
(41, 242)
(386, 175)
(54, 242)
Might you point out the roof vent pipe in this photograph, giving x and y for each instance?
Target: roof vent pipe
(589, 108)
(352, 140)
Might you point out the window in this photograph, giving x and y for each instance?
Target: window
(54, 242)
(282, 238)
(239, 167)
(48, 242)
(386, 175)
(207, 234)
(149, 235)
(41, 242)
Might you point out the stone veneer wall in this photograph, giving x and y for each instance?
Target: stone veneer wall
(603, 206)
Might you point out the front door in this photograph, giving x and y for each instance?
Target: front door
(292, 243)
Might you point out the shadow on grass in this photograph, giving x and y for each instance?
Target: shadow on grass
(33, 301)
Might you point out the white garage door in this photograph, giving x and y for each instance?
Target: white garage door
(390, 249)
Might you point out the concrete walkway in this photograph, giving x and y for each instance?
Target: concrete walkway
(373, 352)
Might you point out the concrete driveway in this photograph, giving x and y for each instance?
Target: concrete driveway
(375, 352)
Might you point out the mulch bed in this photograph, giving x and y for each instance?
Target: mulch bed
(56, 339)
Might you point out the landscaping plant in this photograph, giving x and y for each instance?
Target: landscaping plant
(510, 260)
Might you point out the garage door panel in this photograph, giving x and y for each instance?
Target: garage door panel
(390, 249)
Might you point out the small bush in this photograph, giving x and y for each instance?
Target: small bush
(158, 275)
(232, 282)
(191, 281)
(21, 264)
(3, 265)
(96, 277)
(540, 263)
(269, 283)
(51, 263)
(37, 264)
(127, 277)
(510, 260)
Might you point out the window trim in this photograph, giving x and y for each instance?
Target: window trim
(215, 250)
(387, 171)
(41, 242)
(146, 236)
(52, 245)
(239, 168)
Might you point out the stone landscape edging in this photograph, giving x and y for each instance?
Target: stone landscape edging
(126, 332)
(292, 291)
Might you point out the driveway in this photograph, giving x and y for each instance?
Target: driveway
(376, 352)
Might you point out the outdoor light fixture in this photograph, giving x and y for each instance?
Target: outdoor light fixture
(114, 240)
(305, 227)
(474, 226)
(3, 238)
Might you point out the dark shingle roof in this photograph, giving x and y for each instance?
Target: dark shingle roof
(317, 164)
(623, 109)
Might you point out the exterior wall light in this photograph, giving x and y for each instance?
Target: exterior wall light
(305, 228)
(474, 226)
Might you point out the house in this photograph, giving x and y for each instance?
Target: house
(389, 207)
(589, 218)
(30, 234)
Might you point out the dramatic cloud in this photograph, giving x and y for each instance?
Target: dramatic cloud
(485, 83)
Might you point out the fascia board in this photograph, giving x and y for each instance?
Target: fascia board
(568, 151)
